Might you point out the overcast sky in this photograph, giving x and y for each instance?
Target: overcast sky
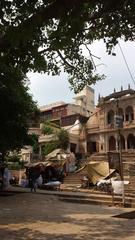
(47, 89)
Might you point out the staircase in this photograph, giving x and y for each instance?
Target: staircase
(97, 157)
(72, 182)
(128, 160)
(74, 179)
(92, 198)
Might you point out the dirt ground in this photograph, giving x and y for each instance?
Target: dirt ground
(37, 216)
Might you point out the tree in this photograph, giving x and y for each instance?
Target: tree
(49, 127)
(49, 147)
(43, 35)
(33, 141)
(16, 107)
(60, 140)
(63, 139)
(47, 36)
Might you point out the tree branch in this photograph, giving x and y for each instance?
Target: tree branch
(64, 60)
(45, 50)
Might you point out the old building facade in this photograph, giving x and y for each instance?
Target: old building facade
(70, 116)
(95, 129)
(103, 132)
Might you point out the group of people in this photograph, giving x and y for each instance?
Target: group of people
(34, 177)
(37, 176)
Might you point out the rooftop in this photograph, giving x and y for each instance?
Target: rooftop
(51, 105)
(116, 95)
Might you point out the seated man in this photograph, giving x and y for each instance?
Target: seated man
(85, 182)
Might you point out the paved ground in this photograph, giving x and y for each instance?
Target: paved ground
(37, 216)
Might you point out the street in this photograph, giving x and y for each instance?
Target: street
(37, 216)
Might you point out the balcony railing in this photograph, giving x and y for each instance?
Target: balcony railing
(125, 124)
(46, 138)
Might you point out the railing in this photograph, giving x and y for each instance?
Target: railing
(47, 138)
(125, 124)
(93, 127)
(34, 130)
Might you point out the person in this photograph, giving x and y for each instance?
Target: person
(39, 181)
(85, 182)
(1, 177)
(24, 182)
(32, 183)
(33, 179)
(6, 177)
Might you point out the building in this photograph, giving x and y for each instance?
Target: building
(113, 124)
(85, 99)
(106, 127)
(72, 117)
(83, 105)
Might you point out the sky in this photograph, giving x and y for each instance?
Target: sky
(49, 89)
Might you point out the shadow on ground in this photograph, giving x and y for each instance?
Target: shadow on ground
(41, 217)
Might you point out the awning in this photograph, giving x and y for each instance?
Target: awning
(36, 164)
(98, 170)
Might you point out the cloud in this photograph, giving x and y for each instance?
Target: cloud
(47, 89)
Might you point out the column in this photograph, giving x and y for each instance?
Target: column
(117, 141)
(126, 147)
(106, 145)
(40, 149)
(124, 115)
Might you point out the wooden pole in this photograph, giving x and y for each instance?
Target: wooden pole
(121, 169)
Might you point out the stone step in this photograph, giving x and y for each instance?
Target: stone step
(130, 194)
(100, 199)
(72, 182)
(90, 201)
(83, 196)
(99, 196)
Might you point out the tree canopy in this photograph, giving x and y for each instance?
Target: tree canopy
(50, 35)
(16, 108)
(61, 140)
(49, 127)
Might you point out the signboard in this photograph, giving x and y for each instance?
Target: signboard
(118, 121)
(114, 161)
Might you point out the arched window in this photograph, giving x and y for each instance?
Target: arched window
(122, 141)
(112, 143)
(129, 113)
(131, 141)
(110, 117)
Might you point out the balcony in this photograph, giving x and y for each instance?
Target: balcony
(129, 124)
(34, 130)
(110, 126)
(93, 128)
(47, 138)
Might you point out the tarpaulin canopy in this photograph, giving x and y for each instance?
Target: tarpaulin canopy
(57, 157)
(56, 162)
(98, 170)
(58, 154)
(36, 164)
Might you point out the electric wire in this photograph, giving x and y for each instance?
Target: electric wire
(126, 64)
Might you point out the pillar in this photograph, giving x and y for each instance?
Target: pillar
(126, 143)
